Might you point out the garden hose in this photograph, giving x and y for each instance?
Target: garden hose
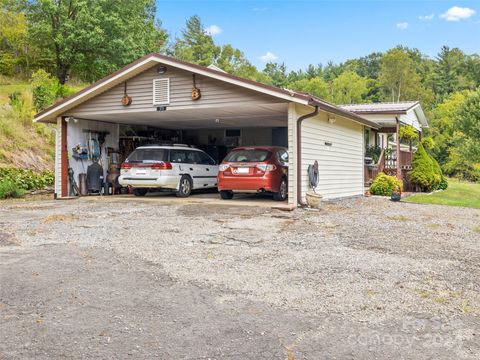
(313, 175)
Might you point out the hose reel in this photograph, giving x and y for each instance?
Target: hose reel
(313, 175)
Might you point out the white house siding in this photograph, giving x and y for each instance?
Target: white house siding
(140, 89)
(341, 164)
(410, 118)
(75, 135)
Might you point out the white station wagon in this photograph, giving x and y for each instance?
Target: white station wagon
(175, 167)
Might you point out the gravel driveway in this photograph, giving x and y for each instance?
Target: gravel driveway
(127, 278)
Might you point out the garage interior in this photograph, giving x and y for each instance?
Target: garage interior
(214, 130)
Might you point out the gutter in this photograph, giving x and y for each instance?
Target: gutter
(299, 152)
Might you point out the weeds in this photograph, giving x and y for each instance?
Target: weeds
(59, 217)
(399, 218)
(9, 189)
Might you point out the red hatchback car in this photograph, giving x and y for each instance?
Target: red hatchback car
(254, 169)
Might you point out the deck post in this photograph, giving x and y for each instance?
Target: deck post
(399, 170)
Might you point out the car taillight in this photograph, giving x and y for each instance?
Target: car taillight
(126, 166)
(223, 167)
(266, 167)
(161, 166)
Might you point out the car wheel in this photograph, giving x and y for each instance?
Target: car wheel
(282, 193)
(139, 192)
(185, 186)
(226, 194)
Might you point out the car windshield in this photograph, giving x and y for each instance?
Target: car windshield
(148, 156)
(248, 155)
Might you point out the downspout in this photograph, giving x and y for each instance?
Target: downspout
(299, 152)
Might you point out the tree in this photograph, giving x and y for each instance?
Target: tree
(397, 75)
(196, 45)
(94, 37)
(443, 125)
(366, 66)
(277, 73)
(447, 73)
(314, 86)
(349, 88)
(468, 120)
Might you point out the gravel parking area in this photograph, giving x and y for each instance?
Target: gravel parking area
(140, 278)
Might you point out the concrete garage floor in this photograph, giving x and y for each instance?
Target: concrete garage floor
(122, 278)
(210, 197)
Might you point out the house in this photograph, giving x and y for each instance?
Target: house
(156, 98)
(395, 158)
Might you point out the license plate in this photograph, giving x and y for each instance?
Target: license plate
(141, 172)
(242, 170)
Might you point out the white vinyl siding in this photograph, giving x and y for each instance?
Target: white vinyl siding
(139, 88)
(341, 164)
(161, 91)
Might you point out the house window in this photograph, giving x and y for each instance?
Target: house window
(232, 132)
(367, 138)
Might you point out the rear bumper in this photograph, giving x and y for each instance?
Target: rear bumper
(265, 183)
(164, 181)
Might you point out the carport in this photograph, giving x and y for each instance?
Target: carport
(159, 99)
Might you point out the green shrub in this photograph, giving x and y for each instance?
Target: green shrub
(45, 89)
(428, 143)
(7, 64)
(443, 184)
(27, 179)
(384, 185)
(8, 189)
(426, 173)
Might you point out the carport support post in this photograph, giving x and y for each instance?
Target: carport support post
(292, 145)
(63, 158)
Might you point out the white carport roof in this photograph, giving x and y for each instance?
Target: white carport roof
(50, 114)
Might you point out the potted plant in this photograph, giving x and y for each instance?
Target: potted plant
(396, 194)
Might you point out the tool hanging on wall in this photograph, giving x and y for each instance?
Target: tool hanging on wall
(80, 151)
(126, 100)
(196, 94)
(74, 190)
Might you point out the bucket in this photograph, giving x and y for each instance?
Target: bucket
(314, 200)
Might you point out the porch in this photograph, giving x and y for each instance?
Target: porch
(388, 149)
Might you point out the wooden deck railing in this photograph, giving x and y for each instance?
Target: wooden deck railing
(388, 164)
(405, 158)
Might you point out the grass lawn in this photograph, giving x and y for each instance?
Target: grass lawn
(459, 193)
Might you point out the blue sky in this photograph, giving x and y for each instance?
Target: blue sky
(302, 32)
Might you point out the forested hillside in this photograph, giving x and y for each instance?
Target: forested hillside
(49, 49)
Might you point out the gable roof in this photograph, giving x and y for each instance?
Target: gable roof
(381, 108)
(389, 108)
(149, 60)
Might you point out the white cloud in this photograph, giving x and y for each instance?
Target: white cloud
(426, 17)
(457, 13)
(213, 30)
(402, 25)
(268, 57)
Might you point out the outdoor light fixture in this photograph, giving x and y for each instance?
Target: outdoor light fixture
(161, 69)
(331, 119)
(71, 118)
